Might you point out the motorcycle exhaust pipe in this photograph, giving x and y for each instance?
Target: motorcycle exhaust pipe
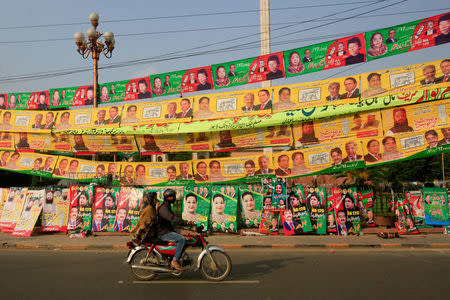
(156, 269)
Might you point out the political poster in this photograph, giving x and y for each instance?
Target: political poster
(16, 120)
(102, 143)
(151, 144)
(131, 197)
(270, 221)
(405, 223)
(155, 173)
(88, 118)
(19, 101)
(31, 163)
(104, 209)
(366, 208)
(124, 90)
(3, 196)
(251, 205)
(327, 55)
(331, 217)
(4, 101)
(248, 70)
(170, 83)
(224, 200)
(20, 195)
(272, 136)
(194, 80)
(31, 210)
(415, 35)
(301, 220)
(6, 141)
(62, 97)
(38, 100)
(239, 168)
(436, 206)
(84, 95)
(347, 211)
(7, 215)
(81, 200)
(42, 141)
(415, 201)
(197, 204)
(279, 196)
(316, 203)
(55, 209)
(268, 187)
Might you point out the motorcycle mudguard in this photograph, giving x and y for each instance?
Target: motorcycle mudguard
(133, 251)
(210, 248)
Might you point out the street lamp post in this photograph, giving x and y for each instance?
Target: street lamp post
(95, 47)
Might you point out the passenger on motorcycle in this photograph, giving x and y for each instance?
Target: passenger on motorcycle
(165, 230)
(145, 228)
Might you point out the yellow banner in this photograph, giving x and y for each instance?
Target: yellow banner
(102, 143)
(6, 141)
(258, 137)
(81, 169)
(405, 79)
(232, 104)
(417, 117)
(180, 142)
(149, 173)
(107, 117)
(42, 121)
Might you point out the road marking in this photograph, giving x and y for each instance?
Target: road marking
(196, 282)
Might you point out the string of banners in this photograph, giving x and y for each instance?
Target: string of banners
(268, 205)
(420, 117)
(419, 34)
(247, 109)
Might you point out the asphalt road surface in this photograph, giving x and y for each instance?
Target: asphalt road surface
(256, 274)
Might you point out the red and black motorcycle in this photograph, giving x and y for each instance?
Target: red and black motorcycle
(147, 260)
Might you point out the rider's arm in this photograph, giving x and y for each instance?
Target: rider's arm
(165, 213)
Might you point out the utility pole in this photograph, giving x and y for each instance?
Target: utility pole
(264, 15)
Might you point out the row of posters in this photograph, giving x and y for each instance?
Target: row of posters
(337, 91)
(341, 154)
(358, 48)
(428, 117)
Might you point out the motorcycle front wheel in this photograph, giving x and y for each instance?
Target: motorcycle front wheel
(140, 258)
(217, 270)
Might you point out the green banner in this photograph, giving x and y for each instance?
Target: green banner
(196, 204)
(316, 202)
(415, 35)
(251, 205)
(62, 97)
(233, 73)
(224, 208)
(300, 213)
(436, 206)
(20, 100)
(113, 92)
(323, 56)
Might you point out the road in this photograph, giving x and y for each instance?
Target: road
(256, 274)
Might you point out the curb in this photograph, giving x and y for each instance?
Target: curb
(30, 246)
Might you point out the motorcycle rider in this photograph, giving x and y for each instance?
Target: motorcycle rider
(165, 230)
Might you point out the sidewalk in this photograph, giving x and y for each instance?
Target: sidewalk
(63, 242)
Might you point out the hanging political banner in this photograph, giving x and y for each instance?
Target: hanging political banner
(251, 205)
(81, 200)
(252, 138)
(84, 95)
(415, 35)
(415, 201)
(327, 55)
(19, 101)
(80, 169)
(315, 200)
(125, 90)
(4, 101)
(31, 163)
(102, 143)
(55, 210)
(6, 141)
(224, 200)
(228, 169)
(436, 206)
(62, 97)
(419, 117)
(155, 173)
(88, 118)
(169, 83)
(150, 144)
(196, 204)
(301, 221)
(3, 197)
(193, 80)
(16, 120)
(38, 100)
(31, 210)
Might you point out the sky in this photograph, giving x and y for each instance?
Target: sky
(38, 36)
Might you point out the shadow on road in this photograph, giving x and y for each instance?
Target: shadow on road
(255, 269)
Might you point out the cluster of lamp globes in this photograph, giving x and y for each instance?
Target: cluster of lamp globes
(93, 36)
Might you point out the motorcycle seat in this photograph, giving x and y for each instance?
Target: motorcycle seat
(156, 241)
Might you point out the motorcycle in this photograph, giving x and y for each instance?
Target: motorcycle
(147, 260)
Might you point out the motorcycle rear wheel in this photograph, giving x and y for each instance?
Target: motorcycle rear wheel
(223, 263)
(140, 259)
